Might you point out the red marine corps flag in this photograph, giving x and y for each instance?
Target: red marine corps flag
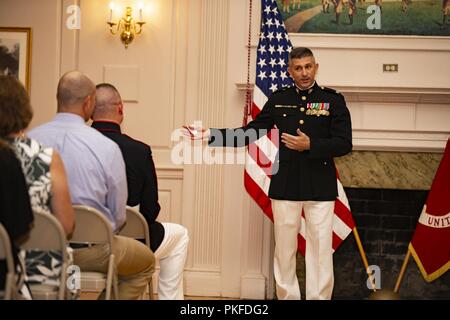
(430, 245)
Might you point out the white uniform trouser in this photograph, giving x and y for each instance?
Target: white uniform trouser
(319, 253)
(171, 255)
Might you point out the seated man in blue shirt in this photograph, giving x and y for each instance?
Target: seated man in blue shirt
(169, 241)
(96, 177)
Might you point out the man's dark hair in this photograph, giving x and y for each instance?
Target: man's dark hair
(300, 52)
(105, 85)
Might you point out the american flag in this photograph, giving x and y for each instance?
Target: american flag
(272, 74)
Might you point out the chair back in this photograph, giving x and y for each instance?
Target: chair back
(91, 226)
(48, 234)
(136, 226)
(6, 254)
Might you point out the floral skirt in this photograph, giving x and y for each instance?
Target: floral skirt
(44, 268)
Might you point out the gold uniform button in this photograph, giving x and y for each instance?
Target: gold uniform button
(303, 98)
(302, 109)
(301, 122)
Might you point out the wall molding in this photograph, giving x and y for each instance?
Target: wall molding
(386, 94)
(253, 286)
(370, 42)
(207, 184)
(69, 42)
(202, 283)
(395, 95)
(169, 173)
(366, 42)
(407, 141)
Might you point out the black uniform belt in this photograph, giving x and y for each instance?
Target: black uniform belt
(80, 245)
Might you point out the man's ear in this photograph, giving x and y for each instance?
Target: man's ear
(88, 106)
(86, 103)
(120, 108)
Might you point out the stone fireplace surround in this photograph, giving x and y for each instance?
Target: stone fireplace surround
(386, 191)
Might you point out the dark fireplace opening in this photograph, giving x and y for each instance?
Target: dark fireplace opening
(385, 220)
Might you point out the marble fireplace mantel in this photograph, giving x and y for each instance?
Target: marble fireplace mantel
(388, 170)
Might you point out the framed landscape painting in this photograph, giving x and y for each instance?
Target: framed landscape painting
(15, 53)
(374, 17)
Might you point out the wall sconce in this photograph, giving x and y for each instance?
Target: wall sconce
(127, 24)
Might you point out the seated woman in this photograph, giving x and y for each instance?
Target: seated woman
(15, 210)
(44, 173)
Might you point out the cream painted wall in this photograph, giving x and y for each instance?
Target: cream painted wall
(152, 116)
(45, 49)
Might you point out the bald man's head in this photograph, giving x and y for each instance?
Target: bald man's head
(73, 89)
(108, 104)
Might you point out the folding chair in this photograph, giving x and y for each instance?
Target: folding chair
(46, 235)
(6, 254)
(136, 227)
(92, 227)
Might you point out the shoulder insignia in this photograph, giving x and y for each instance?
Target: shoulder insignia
(331, 90)
(283, 89)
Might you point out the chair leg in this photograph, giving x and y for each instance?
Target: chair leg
(115, 286)
(9, 287)
(62, 284)
(150, 290)
(109, 279)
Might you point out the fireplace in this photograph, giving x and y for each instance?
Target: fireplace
(386, 219)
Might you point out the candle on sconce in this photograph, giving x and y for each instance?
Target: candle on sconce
(140, 5)
(111, 10)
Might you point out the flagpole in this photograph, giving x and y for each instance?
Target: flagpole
(364, 258)
(248, 97)
(402, 271)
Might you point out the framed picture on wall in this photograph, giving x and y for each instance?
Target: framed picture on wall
(15, 53)
(367, 17)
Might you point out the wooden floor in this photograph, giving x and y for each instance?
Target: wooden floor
(93, 296)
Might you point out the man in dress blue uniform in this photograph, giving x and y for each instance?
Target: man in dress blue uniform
(315, 126)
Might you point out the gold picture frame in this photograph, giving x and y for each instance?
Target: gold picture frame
(15, 53)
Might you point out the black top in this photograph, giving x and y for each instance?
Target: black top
(321, 113)
(15, 209)
(141, 177)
